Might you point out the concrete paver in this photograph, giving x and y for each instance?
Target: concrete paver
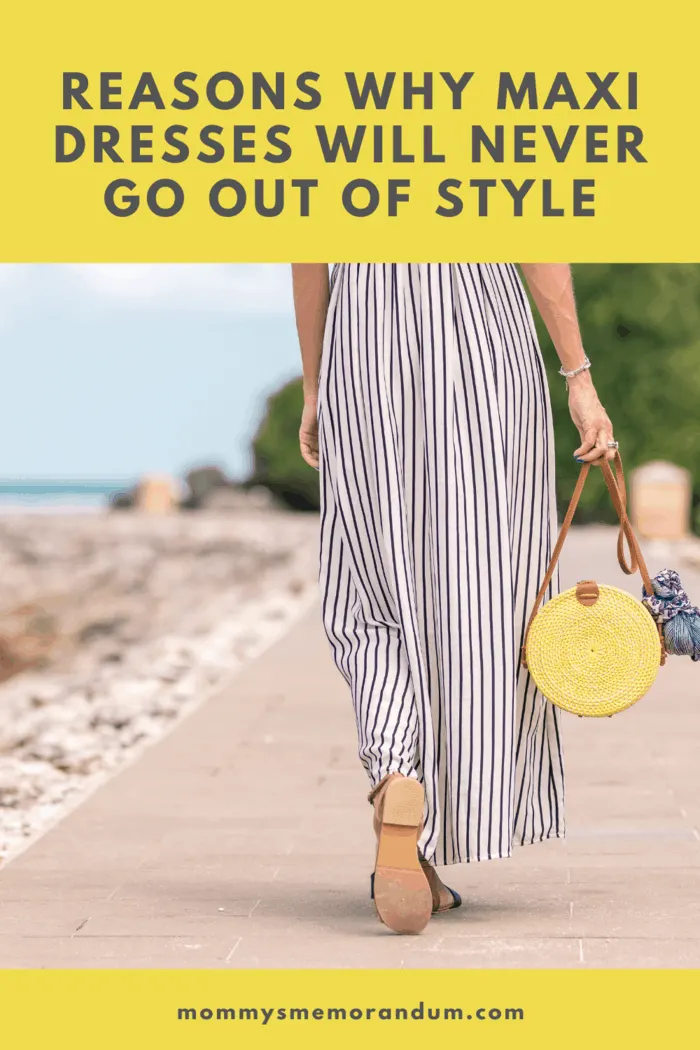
(244, 839)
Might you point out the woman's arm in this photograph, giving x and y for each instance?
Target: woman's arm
(311, 293)
(552, 288)
(311, 296)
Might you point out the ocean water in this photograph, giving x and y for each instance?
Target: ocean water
(50, 495)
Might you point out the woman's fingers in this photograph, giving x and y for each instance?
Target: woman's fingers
(605, 436)
(609, 452)
(587, 445)
(595, 446)
(593, 425)
(598, 451)
(310, 457)
(308, 445)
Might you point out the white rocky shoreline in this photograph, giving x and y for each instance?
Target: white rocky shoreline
(153, 614)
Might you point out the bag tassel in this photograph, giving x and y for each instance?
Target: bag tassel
(671, 608)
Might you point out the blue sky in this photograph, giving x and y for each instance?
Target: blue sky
(118, 370)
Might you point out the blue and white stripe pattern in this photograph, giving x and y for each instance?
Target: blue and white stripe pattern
(438, 516)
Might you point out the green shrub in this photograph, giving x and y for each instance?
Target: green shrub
(641, 330)
(277, 461)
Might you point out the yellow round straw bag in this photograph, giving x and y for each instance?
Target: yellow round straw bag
(595, 649)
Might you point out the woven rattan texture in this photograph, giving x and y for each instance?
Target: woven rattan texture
(593, 660)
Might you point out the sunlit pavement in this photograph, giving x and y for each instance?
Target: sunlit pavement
(244, 839)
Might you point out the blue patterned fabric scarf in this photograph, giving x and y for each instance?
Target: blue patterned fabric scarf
(670, 606)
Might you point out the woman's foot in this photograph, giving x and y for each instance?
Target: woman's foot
(402, 894)
(444, 898)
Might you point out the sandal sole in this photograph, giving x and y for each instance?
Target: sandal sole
(402, 893)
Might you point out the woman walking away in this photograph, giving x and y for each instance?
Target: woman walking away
(427, 412)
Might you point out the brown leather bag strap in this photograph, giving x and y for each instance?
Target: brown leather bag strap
(614, 479)
(632, 566)
(573, 503)
(615, 482)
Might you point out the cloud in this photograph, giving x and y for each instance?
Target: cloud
(209, 287)
(233, 288)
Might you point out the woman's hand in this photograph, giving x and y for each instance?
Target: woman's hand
(308, 431)
(591, 420)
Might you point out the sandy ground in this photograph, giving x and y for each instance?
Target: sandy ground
(153, 613)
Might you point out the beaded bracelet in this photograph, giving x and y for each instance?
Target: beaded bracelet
(577, 371)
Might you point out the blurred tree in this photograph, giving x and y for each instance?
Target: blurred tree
(277, 461)
(641, 330)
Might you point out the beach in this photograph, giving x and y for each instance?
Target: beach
(142, 617)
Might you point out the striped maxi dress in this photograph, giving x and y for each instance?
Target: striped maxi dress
(437, 520)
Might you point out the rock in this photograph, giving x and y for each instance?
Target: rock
(232, 497)
(111, 713)
(28, 634)
(69, 752)
(260, 497)
(44, 693)
(13, 735)
(100, 628)
(202, 481)
(123, 500)
(137, 731)
(224, 499)
(167, 671)
(164, 705)
(11, 772)
(111, 656)
(22, 782)
(189, 502)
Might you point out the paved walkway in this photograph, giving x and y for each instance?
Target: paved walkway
(243, 840)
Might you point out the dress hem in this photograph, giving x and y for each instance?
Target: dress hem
(559, 833)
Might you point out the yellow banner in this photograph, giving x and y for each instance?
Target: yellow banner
(407, 1008)
(357, 131)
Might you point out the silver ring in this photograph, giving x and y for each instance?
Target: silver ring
(613, 444)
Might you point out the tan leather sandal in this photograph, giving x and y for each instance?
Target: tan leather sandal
(400, 887)
(444, 897)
